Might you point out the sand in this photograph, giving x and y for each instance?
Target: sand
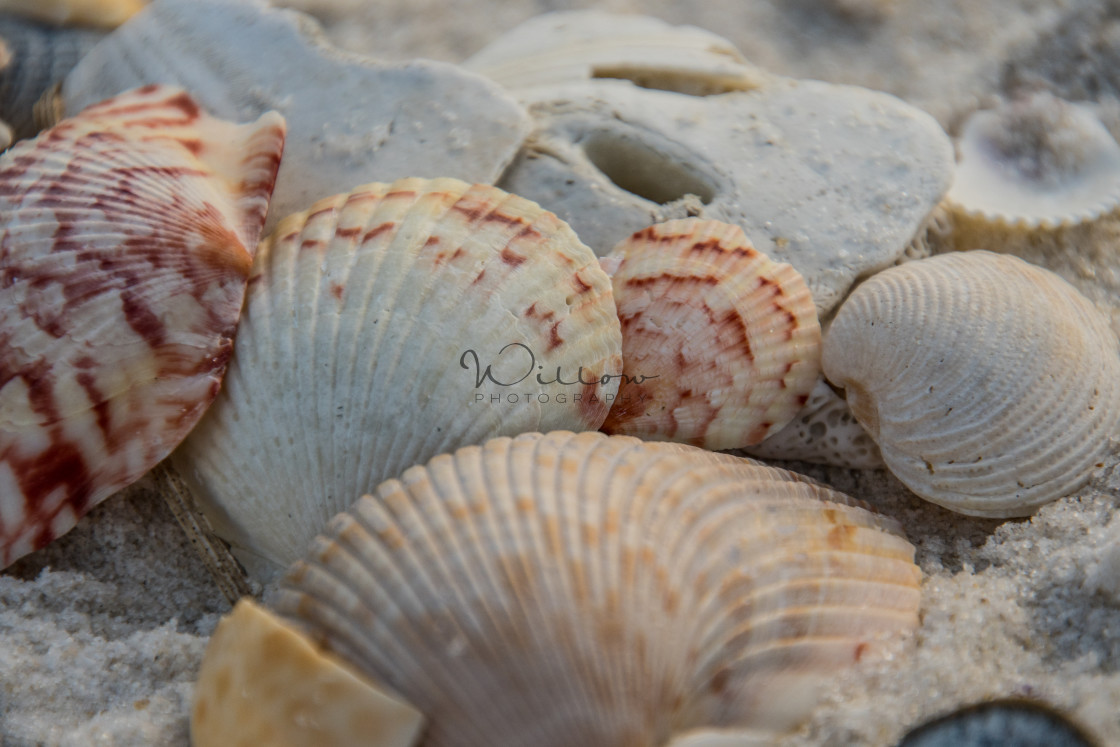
(102, 632)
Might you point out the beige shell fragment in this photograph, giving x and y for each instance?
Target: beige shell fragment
(720, 345)
(100, 13)
(262, 682)
(353, 119)
(834, 180)
(991, 386)
(383, 327)
(587, 589)
(126, 239)
(575, 46)
(824, 431)
(1036, 162)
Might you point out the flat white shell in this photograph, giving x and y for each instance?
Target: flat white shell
(991, 386)
(369, 326)
(573, 46)
(583, 589)
(351, 119)
(126, 239)
(834, 180)
(1040, 161)
(262, 682)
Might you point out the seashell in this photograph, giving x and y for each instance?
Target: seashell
(6, 135)
(720, 345)
(352, 119)
(577, 46)
(262, 682)
(392, 324)
(586, 589)
(125, 248)
(39, 57)
(1022, 723)
(101, 13)
(824, 431)
(1036, 162)
(990, 385)
(834, 180)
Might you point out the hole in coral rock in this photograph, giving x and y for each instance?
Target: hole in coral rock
(643, 171)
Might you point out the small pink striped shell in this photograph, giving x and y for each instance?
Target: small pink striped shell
(720, 345)
(126, 239)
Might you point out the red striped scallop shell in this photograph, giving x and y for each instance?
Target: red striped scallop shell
(127, 237)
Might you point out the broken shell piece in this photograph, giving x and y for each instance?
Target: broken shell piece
(383, 327)
(126, 237)
(1038, 161)
(39, 57)
(566, 589)
(102, 13)
(834, 180)
(720, 345)
(823, 432)
(990, 385)
(576, 46)
(352, 119)
(262, 682)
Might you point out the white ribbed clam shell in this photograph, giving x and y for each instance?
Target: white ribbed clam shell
(720, 344)
(369, 323)
(598, 590)
(126, 240)
(990, 385)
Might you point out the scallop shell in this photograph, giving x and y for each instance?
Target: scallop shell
(1036, 162)
(352, 119)
(824, 431)
(102, 13)
(588, 589)
(574, 46)
(125, 246)
(805, 168)
(990, 385)
(38, 58)
(720, 345)
(391, 324)
(262, 682)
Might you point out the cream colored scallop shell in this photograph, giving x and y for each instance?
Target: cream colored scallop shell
(1036, 162)
(576, 46)
(720, 345)
(383, 327)
(567, 589)
(126, 240)
(991, 386)
(262, 682)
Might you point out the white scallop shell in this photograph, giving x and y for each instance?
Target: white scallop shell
(575, 46)
(262, 682)
(720, 344)
(990, 385)
(126, 239)
(598, 590)
(1036, 162)
(368, 330)
(352, 119)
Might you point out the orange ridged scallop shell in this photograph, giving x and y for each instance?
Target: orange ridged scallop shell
(720, 345)
(126, 239)
(566, 589)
